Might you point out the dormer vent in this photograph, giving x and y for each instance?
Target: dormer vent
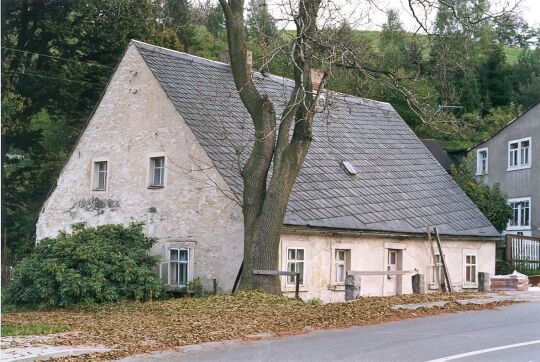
(349, 168)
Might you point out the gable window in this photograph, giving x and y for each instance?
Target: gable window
(482, 161)
(519, 154)
(157, 171)
(521, 213)
(470, 266)
(295, 263)
(100, 176)
(342, 263)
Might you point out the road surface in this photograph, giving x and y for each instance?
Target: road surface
(507, 334)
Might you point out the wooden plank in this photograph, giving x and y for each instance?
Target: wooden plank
(443, 261)
(508, 238)
(383, 272)
(435, 269)
(274, 272)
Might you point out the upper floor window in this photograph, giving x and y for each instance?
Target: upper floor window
(519, 154)
(99, 182)
(521, 213)
(157, 171)
(482, 161)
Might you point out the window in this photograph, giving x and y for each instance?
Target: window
(342, 263)
(469, 258)
(437, 272)
(519, 154)
(521, 213)
(178, 264)
(295, 263)
(157, 171)
(100, 176)
(482, 161)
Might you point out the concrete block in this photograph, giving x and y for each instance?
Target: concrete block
(418, 284)
(352, 287)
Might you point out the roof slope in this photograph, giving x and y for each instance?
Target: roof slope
(399, 185)
(438, 152)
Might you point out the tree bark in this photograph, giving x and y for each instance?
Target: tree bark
(265, 203)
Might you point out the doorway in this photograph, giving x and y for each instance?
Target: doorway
(392, 283)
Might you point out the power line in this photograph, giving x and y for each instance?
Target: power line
(57, 78)
(59, 58)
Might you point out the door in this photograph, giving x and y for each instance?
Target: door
(391, 284)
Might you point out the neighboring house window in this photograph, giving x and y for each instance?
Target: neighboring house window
(470, 267)
(521, 213)
(295, 263)
(178, 267)
(100, 175)
(519, 154)
(482, 161)
(342, 263)
(157, 171)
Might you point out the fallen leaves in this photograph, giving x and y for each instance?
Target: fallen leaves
(134, 327)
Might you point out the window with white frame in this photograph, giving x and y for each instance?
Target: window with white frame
(178, 267)
(482, 161)
(521, 213)
(470, 267)
(519, 154)
(157, 171)
(342, 265)
(295, 263)
(437, 272)
(100, 176)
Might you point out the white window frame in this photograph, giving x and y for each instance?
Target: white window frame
(519, 150)
(290, 279)
(468, 283)
(344, 263)
(169, 263)
(94, 179)
(479, 170)
(151, 170)
(436, 268)
(520, 225)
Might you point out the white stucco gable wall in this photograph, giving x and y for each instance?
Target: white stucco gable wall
(134, 121)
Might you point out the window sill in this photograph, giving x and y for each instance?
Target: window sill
(99, 189)
(516, 168)
(338, 287)
(152, 187)
(518, 228)
(470, 286)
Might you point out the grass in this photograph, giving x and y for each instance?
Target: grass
(33, 329)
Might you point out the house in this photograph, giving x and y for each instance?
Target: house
(165, 144)
(438, 152)
(511, 158)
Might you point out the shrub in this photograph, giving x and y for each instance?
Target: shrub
(315, 301)
(92, 265)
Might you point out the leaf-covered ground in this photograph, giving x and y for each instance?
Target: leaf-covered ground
(131, 327)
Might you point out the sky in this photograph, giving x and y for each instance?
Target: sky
(371, 14)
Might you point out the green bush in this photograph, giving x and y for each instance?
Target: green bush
(92, 265)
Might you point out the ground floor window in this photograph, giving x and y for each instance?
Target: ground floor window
(295, 263)
(437, 272)
(175, 271)
(342, 265)
(470, 268)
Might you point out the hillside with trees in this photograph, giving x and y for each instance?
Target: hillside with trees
(458, 86)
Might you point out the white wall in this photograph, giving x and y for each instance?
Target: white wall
(134, 121)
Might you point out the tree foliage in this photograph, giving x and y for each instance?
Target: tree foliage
(491, 200)
(92, 265)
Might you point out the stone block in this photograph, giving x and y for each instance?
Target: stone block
(418, 285)
(352, 287)
(483, 282)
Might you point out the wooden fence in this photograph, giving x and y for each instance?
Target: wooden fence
(522, 251)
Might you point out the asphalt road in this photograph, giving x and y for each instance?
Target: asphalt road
(507, 334)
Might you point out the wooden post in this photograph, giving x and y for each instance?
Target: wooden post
(214, 286)
(443, 261)
(297, 286)
(508, 238)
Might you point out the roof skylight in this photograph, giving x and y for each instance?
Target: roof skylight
(348, 167)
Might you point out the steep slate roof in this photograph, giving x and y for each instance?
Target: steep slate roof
(399, 186)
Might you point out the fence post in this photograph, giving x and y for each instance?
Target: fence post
(508, 238)
(297, 286)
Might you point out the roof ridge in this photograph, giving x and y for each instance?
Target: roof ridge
(276, 78)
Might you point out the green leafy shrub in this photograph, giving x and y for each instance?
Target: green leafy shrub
(315, 301)
(194, 287)
(92, 265)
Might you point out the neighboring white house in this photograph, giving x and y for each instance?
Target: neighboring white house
(165, 145)
(511, 158)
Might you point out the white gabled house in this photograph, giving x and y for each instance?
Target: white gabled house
(165, 145)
